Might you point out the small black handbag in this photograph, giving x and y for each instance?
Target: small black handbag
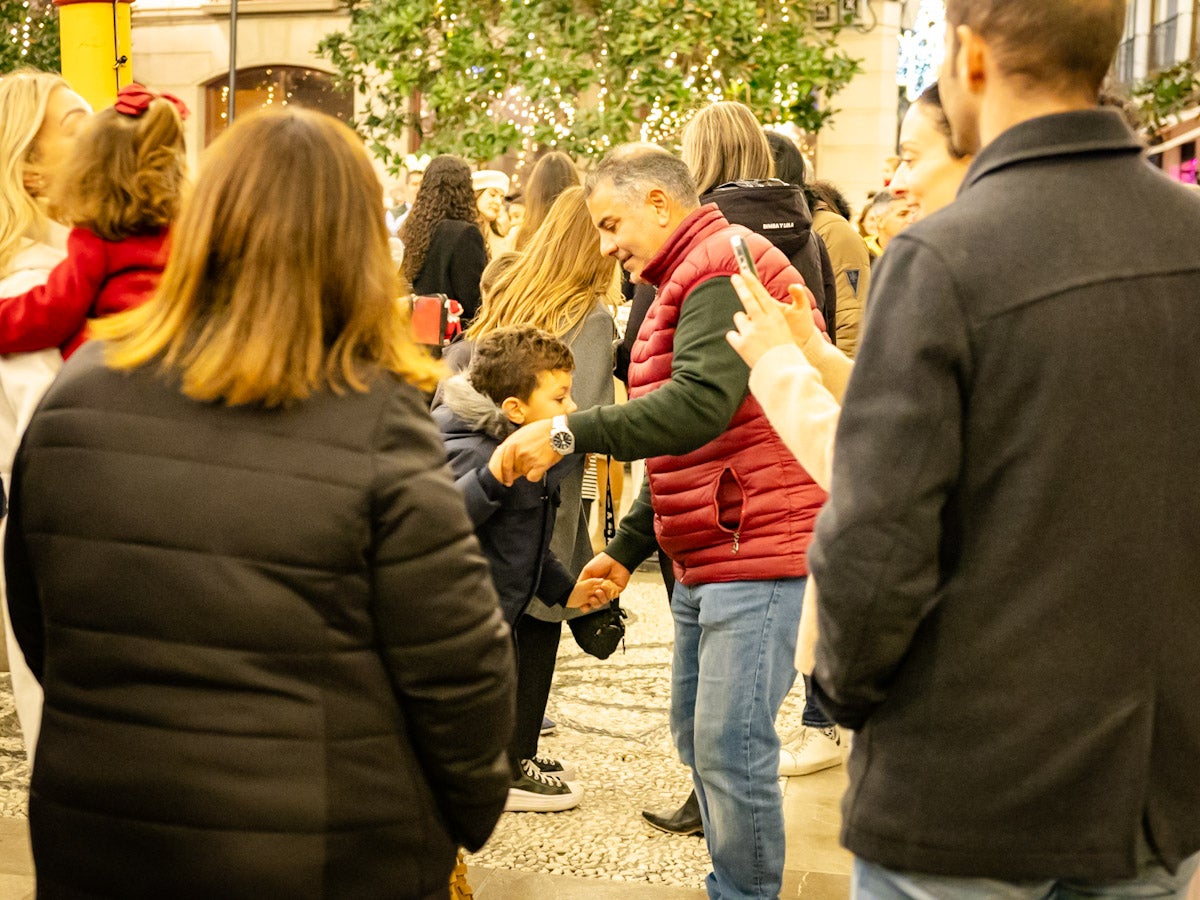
(600, 633)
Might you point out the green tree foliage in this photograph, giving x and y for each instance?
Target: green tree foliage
(1167, 93)
(29, 35)
(578, 75)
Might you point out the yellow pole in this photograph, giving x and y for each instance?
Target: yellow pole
(96, 40)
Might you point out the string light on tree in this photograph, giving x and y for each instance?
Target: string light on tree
(29, 35)
(521, 76)
(922, 48)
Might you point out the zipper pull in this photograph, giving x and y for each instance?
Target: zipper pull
(737, 540)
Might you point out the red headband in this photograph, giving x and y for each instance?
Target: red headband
(134, 99)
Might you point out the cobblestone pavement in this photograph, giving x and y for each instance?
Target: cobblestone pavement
(612, 725)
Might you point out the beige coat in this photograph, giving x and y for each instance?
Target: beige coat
(852, 272)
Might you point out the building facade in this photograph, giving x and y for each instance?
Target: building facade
(1158, 35)
(182, 46)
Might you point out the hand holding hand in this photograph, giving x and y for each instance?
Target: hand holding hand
(592, 593)
(527, 452)
(608, 569)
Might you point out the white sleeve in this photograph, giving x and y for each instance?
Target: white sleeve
(803, 413)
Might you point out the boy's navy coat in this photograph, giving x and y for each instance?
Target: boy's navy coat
(513, 524)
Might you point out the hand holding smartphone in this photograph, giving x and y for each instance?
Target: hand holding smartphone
(742, 253)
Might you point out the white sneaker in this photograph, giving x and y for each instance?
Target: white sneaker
(535, 792)
(814, 750)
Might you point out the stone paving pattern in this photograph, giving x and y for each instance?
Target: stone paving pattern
(613, 726)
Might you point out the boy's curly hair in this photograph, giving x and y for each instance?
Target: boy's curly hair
(509, 361)
(128, 174)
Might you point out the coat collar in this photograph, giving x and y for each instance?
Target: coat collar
(1062, 134)
(698, 225)
(477, 411)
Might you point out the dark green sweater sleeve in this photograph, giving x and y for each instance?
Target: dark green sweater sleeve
(635, 539)
(708, 383)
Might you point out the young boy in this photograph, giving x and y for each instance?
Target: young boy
(517, 375)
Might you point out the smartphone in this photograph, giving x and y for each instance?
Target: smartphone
(742, 253)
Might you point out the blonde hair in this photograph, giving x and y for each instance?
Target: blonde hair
(723, 143)
(24, 96)
(276, 286)
(550, 176)
(559, 278)
(127, 174)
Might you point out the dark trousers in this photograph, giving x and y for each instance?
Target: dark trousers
(537, 647)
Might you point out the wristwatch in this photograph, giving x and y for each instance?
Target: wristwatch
(561, 439)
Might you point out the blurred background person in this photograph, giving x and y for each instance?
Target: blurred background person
(727, 153)
(491, 187)
(891, 214)
(39, 117)
(274, 663)
(551, 175)
(847, 253)
(931, 168)
(444, 250)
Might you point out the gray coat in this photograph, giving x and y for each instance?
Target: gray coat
(1009, 562)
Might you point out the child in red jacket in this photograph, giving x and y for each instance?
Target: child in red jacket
(121, 192)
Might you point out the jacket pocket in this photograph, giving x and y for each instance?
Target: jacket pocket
(729, 502)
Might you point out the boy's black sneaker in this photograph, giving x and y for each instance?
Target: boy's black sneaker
(535, 792)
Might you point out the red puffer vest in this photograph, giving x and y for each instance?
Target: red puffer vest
(740, 508)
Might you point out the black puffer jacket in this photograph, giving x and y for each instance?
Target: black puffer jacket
(514, 524)
(273, 660)
(778, 211)
(453, 265)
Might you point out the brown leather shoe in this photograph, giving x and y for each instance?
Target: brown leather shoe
(685, 820)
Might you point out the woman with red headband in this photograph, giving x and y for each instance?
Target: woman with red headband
(120, 190)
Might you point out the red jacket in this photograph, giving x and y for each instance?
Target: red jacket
(740, 508)
(98, 278)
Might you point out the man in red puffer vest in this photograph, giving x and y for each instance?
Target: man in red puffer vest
(726, 499)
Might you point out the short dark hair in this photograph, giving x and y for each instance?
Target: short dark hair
(637, 168)
(931, 101)
(789, 163)
(509, 361)
(827, 193)
(1056, 43)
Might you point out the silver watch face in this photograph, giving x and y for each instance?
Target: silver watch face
(562, 441)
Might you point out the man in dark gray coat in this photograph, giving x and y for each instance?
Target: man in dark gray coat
(1009, 564)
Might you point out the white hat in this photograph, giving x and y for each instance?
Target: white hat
(490, 178)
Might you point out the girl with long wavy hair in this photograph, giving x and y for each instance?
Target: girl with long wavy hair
(444, 250)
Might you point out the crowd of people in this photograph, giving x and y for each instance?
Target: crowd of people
(284, 592)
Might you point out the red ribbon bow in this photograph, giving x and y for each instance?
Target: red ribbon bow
(134, 99)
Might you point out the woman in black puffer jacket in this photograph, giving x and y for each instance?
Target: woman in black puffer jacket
(727, 152)
(273, 661)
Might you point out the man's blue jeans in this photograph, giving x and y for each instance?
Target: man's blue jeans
(735, 646)
(872, 882)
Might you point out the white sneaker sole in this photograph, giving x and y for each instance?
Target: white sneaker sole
(526, 801)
